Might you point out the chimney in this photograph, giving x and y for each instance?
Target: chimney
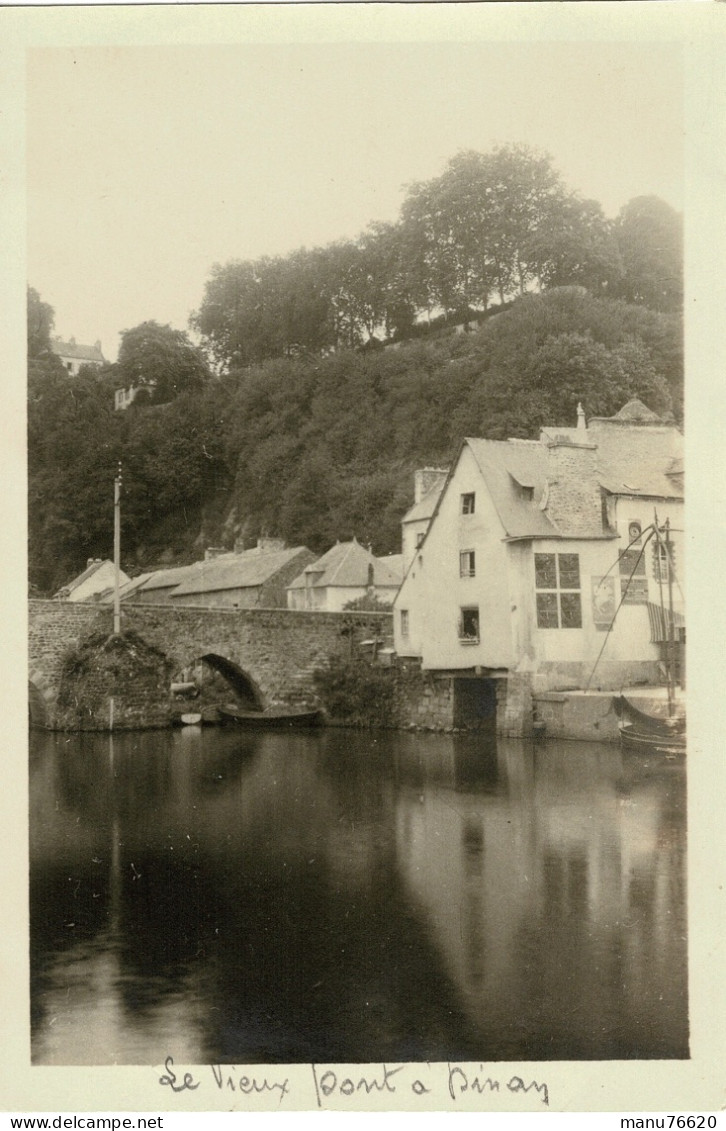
(581, 422)
(572, 499)
(98, 344)
(425, 478)
(269, 545)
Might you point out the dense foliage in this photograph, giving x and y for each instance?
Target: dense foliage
(319, 449)
(308, 428)
(491, 226)
(356, 692)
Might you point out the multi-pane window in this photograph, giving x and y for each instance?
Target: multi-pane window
(661, 559)
(404, 622)
(557, 581)
(467, 564)
(469, 624)
(467, 503)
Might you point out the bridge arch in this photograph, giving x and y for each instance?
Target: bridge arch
(240, 681)
(269, 656)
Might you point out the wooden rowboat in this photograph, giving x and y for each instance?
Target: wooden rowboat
(272, 717)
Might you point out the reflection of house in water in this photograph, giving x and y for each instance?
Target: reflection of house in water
(545, 916)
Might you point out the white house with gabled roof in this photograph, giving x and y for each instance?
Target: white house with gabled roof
(73, 354)
(347, 572)
(98, 577)
(533, 547)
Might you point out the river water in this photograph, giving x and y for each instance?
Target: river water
(344, 896)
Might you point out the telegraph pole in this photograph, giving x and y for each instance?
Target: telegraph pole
(117, 551)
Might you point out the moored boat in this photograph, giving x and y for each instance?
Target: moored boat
(272, 717)
(642, 730)
(662, 727)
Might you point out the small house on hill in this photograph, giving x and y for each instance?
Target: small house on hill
(97, 577)
(347, 572)
(74, 355)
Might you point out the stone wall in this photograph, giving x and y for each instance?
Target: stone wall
(424, 701)
(113, 683)
(449, 702)
(276, 649)
(586, 716)
(573, 491)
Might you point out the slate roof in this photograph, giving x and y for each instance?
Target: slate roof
(236, 571)
(426, 506)
(134, 584)
(638, 454)
(635, 412)
(168, 578)
(88, 572)
(346, 565)
(394, 562)
(78, 351)
(508, 466)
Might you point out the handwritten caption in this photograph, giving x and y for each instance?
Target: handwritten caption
(459, 1082)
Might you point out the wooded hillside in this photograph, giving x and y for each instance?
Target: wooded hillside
(295, 420)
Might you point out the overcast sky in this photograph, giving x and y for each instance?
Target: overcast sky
(146, 165)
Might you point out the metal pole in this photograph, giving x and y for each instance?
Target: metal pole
(671, 617)
(117, 552)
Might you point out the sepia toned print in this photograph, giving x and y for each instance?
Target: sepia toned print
(359, 574)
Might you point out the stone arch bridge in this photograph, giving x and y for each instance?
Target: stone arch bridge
(268, 655)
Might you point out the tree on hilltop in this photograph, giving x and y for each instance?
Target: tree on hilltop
(41, 317)
(161, 359)
(650, 239)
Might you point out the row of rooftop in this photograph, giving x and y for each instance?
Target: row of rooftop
(561, 485)
(271, 575)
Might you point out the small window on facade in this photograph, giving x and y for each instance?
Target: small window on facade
(467, 503)
(419, 539)
(467, 564)
(634, 532)
(660, 560)
(469, 625)
(557, 582)
(404, 622)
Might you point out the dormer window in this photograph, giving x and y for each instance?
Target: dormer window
(468, 503)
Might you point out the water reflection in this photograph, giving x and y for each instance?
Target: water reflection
(337, 896)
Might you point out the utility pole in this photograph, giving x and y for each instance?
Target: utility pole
(117, 551)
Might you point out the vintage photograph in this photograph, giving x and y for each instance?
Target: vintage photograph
(357, 683)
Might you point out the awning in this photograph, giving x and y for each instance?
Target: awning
(660, 622)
